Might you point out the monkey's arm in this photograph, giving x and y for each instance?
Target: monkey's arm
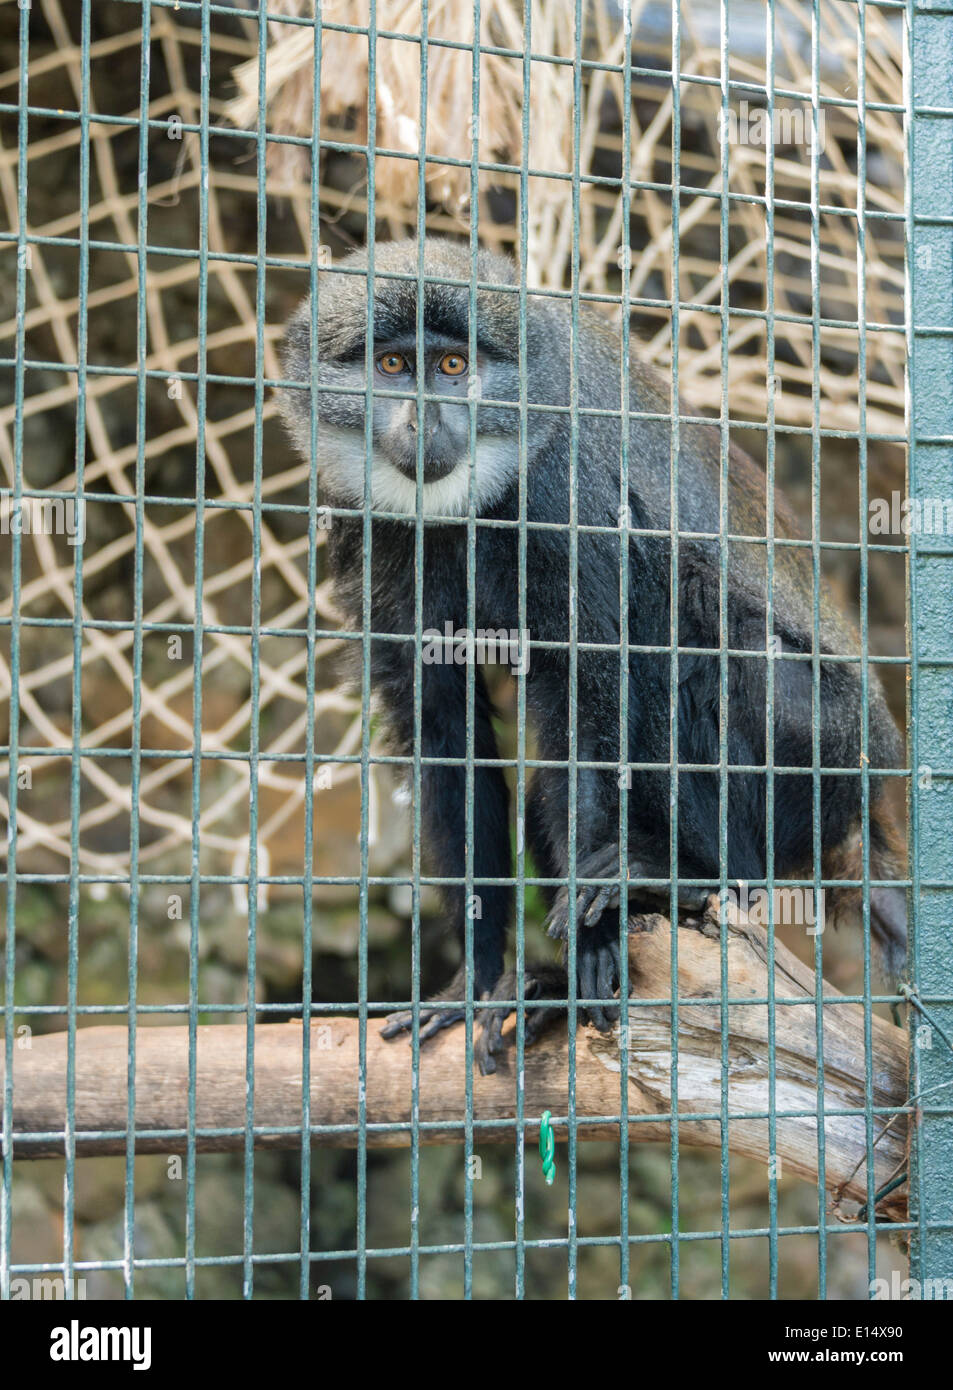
(443, 815)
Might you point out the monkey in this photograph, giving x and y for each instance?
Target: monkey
(692, 571)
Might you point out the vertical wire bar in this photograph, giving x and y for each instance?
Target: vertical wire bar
(917, 1193)
(816, 636)
(673, 741)
(573, 771)
(198, 643)
(418, 664)
(9, 1018)
(76, 733)
(470, 667)
(261, 248)
(769, 486)
(361, 1232)
(142, 349)
(723, 615)
(864, 597)
(309, 755)
(624, 525)
(520, 1176)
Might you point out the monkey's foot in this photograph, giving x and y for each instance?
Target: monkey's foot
(593, 899)
(539, 982)
(433, 1012)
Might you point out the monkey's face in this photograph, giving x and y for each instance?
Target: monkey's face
(440, 413)
(434, 430)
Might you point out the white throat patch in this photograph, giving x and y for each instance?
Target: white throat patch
(342, 462)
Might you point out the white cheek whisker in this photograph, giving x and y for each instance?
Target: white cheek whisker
(342, 466)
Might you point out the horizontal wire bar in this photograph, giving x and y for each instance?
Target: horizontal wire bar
(100, 369)
(663, 75)
(355, 148)
(444, 1126)
(402, 880)
(406, 518)
(484, 1247)
(446, 760)
(383, 1006)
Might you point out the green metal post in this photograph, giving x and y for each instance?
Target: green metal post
(929, 103)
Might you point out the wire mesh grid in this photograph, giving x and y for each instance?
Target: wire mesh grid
(227, 570)
(51, 323)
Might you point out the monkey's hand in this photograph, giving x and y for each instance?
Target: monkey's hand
(593, 899)
(539, 982)
(433, 1012)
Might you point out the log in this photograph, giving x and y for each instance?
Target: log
(39, 1093)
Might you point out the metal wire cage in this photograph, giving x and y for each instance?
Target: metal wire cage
(195, 807)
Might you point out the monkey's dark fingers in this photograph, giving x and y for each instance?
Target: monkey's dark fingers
(490, 1039)
(592, 899)
(588, 910)
(598, 972)
(433, 1016)
(557, 922)
(587, 973)
(540, 981)
(538, 1020)
(607, 969)
(396, 1023)
(439, 1019)
(607, 896)
(435, 1012)
(692, 900)
(607, 977)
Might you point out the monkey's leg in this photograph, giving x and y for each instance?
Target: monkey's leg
(443, 816)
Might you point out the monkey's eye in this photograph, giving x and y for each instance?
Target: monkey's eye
(452, 364)
(393, 363)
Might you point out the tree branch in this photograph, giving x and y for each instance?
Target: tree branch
(162, 1074)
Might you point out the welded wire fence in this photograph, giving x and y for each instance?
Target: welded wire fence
(201, 823)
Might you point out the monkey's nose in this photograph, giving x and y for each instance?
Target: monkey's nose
(431, 424)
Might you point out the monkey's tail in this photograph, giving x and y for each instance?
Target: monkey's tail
(888, 926)
(888, 904)
(888, 901)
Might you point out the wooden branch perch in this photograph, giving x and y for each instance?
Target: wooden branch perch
(39, 1096)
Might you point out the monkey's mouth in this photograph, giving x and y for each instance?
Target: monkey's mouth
(432, 472)
(437, 463)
